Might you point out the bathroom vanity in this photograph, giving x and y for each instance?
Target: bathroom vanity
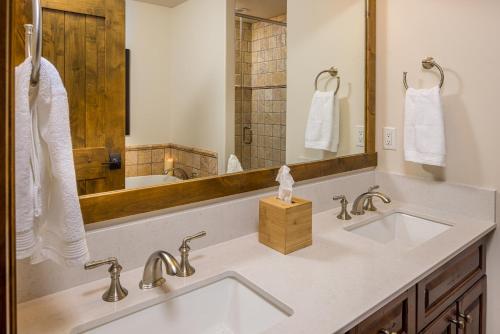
(430, 279)
(450, 298)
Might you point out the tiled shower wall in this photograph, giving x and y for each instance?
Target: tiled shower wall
(144, 160)
(261, 99)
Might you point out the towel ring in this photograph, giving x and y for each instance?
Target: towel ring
(334, 73)
(428, 63)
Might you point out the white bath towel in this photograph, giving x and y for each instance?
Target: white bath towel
(233, 165)
(57, 229)
(424, 135)
(323, 124)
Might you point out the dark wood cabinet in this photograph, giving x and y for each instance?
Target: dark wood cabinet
(445, 323)
(451, 300)
(445, 285)
(396, 317)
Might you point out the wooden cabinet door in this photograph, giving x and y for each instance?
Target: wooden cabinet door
(85, 40)
(445, 323)
(444, 286)
(472, 309)
(396, 317)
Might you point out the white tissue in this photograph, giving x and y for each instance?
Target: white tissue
(286, 182)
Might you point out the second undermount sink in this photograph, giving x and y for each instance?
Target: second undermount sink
(402, 229)
(225, 305)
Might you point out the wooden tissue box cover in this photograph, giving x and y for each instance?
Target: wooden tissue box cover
(285, 227)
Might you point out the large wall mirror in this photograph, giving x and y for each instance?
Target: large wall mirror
(189, 96)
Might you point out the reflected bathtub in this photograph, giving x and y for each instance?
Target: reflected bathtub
(148, 181)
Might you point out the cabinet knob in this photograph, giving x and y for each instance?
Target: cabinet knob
(466, 317)
(385, 331)
(459, 323)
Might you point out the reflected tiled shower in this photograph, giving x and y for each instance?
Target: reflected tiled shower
(261, 93)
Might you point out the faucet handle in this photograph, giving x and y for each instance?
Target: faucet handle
(115, 291)
(185, 267)
(343, 215)
(339, 198)
(113, 261)
(368, 204)
(188, 239)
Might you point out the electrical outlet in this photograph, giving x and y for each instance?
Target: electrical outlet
(360, 135)
(390, 138)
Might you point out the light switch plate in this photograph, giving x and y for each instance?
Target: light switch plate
(390, 138)
(360, 136)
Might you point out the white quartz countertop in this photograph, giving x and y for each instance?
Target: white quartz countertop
(330, 286)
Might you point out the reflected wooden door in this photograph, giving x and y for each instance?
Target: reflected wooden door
(85, 40)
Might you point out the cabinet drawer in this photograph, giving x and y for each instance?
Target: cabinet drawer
(396, 317)
(440, 289)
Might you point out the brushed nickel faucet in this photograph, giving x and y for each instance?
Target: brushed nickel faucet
(115, 291)
(183, 175)
(358, 205)
(368, 205)
(152, 276)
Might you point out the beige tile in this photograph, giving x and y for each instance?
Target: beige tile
(276, 155)
(157, 168)
(268, 153)
(209, 165)
(276, 143)
(268, 142)
(130, 170)
(144, 170)
(157, 155)
(186, 158)
(130, 158)
(143, 157)
(196, 161)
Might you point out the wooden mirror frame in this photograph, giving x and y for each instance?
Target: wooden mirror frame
(127, 202)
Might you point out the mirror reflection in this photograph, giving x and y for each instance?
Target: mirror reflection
(212, 87)
(190, 116)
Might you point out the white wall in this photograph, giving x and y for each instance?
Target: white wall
(197, 75)
(181, 69)
(148, 37)
(462, 35)
(321, 34)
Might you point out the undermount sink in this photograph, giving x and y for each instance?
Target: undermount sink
(225, 305)
(401, 229)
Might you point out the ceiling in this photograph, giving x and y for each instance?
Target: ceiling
(260, 8)
(167, 3)
(263, 8)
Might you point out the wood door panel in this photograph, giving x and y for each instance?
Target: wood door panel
(74, 68)
(85, 40)
(444, 286)
(399, 316)
(473, 306)
(53, 39)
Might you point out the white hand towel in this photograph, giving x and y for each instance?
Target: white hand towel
(424, 135)
(59, 231)
(233, 165)
(323, 124)
(25, 203)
